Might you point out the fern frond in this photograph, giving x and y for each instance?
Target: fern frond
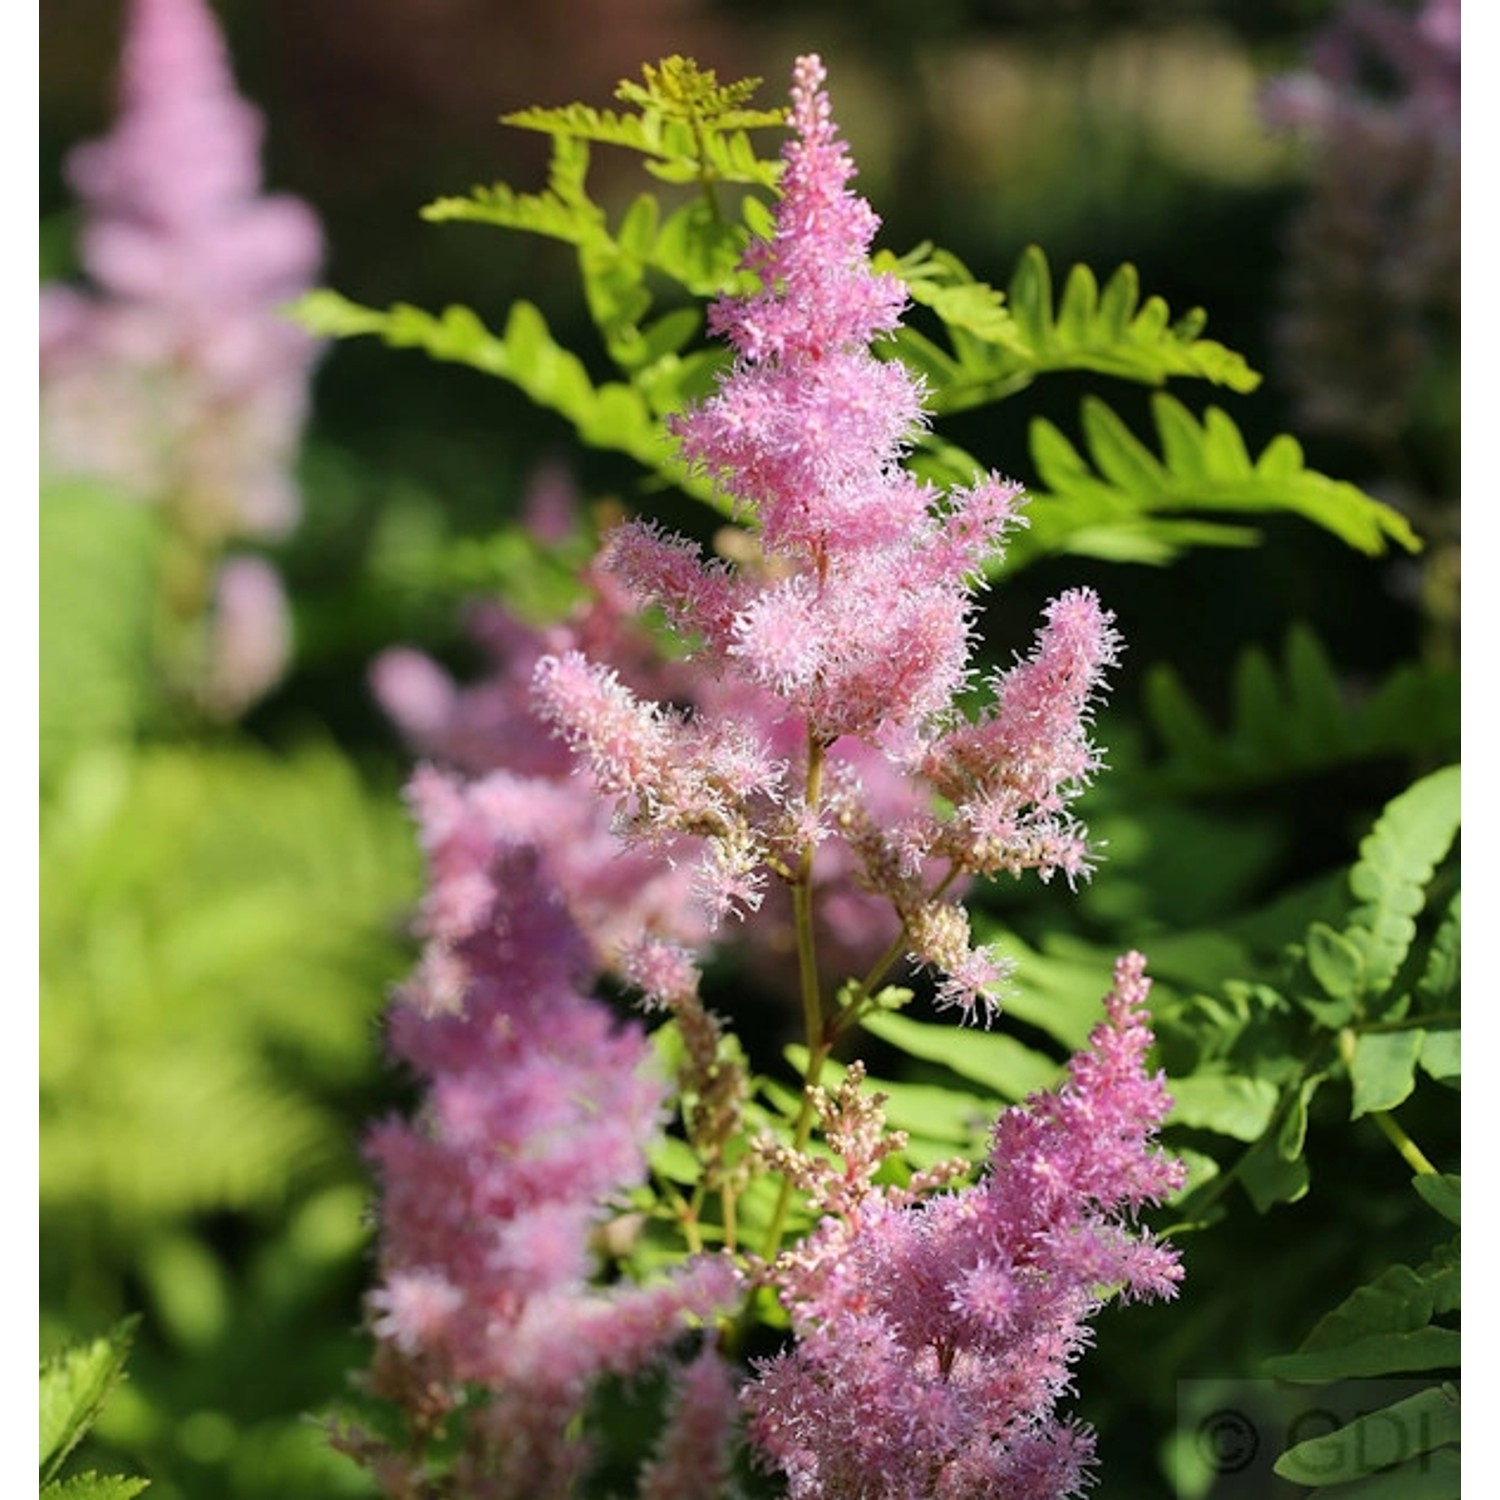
(216, 928)
(612, 415)
(1396, 861)
(1297, 719)
(999, 343)
(564, 212)
(688, 125)
(1108, 502)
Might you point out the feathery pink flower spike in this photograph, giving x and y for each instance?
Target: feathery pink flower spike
(179, 380)
(538, 1111)
(804, 746)
(935, 1336)
(855, 636)
(182, 381)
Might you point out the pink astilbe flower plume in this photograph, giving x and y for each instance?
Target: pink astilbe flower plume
(1372, 279)
(182, 380)
(538, 1109)
(177, 377)
(935, 1335)
(853, 633)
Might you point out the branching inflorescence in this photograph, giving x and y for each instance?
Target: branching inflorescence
(856, 629)
(811, 740)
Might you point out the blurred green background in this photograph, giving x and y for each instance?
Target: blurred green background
(222, 919)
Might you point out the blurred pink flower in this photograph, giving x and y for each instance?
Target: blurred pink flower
(1371, 289)
(538, 1108)
(178, 378)
(249, 636)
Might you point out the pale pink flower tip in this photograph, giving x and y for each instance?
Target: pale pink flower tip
(250, 636)
(414, 1308)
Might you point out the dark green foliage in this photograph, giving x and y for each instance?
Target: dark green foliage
(1403, 1322)
(1342, 1007)
(1298, 719)
(999, 343)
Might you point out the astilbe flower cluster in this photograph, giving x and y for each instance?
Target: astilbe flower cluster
(177, 378)
(574, 801)
(527, 782)
(538, 1108)
(1373, 271)
(853, 634)
(935, 1334)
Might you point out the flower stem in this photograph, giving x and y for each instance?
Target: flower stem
(1411, 1153)
(819, 1043)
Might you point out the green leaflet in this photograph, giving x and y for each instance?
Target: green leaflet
(73, 1387)
(1385, 1353)
(1123, 488)
(1383, 1328)
(1297, 717)
(686, 121)
(1440, 1191)
(1229, 1104)
(563, 212)
(1383, 1069)
(1338, 966)
(94, 1487)
(613, 415)
(1397, 859)
(1274, 1169)
(1438, 987)
(1433, 1475)
(1377, 1441)
(998, 343)
(996, 1062)
(1441, 1055)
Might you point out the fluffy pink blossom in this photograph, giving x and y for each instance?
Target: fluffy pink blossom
(853, 631)
(935, 1336)
(693, 1454)
(809, 748)
(1011, 773)
(871, 630)
(818, 293)
(180, 379)
(538, 1108)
